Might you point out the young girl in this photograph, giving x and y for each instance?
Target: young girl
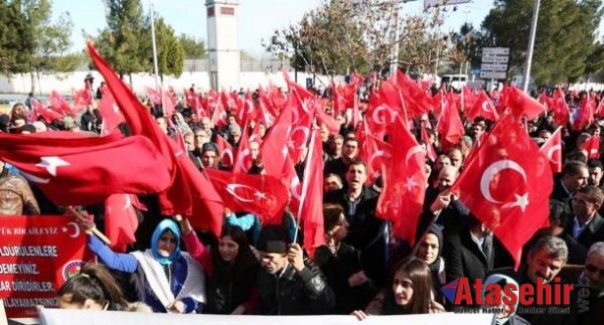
(410, 293)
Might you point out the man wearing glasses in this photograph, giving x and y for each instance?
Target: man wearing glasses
(589, 292)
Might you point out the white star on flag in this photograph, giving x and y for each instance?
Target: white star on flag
(410, 184)
(521, 201)
(260, 195)
(51, 164)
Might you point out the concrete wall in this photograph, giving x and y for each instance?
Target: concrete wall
(66, 83)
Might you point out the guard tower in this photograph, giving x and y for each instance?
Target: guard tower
(223, 50)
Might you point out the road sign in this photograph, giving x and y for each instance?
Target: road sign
(492, 75)
(494, 67)
(494, 62)
(496, 51)
(494, 59)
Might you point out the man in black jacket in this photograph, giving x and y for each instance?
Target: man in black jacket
(289, 284)
(365, 232)
(587, 227)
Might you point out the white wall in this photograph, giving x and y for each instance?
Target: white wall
(66, 83)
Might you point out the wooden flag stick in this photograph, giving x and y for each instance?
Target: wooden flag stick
(92, 230)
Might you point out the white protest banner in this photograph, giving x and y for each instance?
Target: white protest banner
(79, 317)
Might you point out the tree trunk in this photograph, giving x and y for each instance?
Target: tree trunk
(32, 89)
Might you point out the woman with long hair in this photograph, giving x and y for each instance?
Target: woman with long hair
(230, 267)
(95, 288)
(410, 292)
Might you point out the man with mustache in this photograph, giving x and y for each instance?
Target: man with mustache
(545, 260)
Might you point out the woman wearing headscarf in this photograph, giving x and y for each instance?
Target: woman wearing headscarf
(429, 250)
(507, 316)
(166, 279)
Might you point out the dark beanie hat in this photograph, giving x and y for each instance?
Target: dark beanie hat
(29, 128)
(273, 239)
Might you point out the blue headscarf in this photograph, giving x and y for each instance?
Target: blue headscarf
(162, 227)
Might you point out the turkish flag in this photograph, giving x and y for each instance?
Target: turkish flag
(376, 153)
(405, 181)
(560, 108)
(112, 117)
(121, 220)
(227, 153)
(418, 100)
(483, 106)
(46, 113)
(59, 104)
(469, 98)
(82, 98)
(592, 146)
(507, 185)
(274, 147)
(154, 95)
(522, 104)
(75, 170)
(190, 192)
(585, 114)
(263, 195)
(449, 127)
(552, 149)
(310, 210)
(298, 138)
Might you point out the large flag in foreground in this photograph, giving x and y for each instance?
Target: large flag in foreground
(76, 170)
(507, 185)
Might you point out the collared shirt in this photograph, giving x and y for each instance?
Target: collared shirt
(578, 228)
(478, 241)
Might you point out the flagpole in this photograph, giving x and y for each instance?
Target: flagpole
(154, 45)
(305, 183)
(529, 54)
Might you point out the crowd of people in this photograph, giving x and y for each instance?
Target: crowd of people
(362, 269)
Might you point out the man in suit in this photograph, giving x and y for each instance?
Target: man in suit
(574, 176)
(587, 227)
(469, 253)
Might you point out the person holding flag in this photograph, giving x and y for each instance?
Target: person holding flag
(166, 279)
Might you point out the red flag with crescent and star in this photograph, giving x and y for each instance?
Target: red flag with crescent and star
(507, 185)
(552, 149)
(77, 170)
(262, 195)
(405, 180)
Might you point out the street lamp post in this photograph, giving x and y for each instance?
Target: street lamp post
(155, 67)
(531, 45)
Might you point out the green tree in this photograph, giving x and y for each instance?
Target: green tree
(16, 38)
(193, 48)
(565, 36)
(170, 53)
(39, 44)
(120, 42)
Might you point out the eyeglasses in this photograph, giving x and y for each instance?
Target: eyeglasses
(593, 269)
(164, 239)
